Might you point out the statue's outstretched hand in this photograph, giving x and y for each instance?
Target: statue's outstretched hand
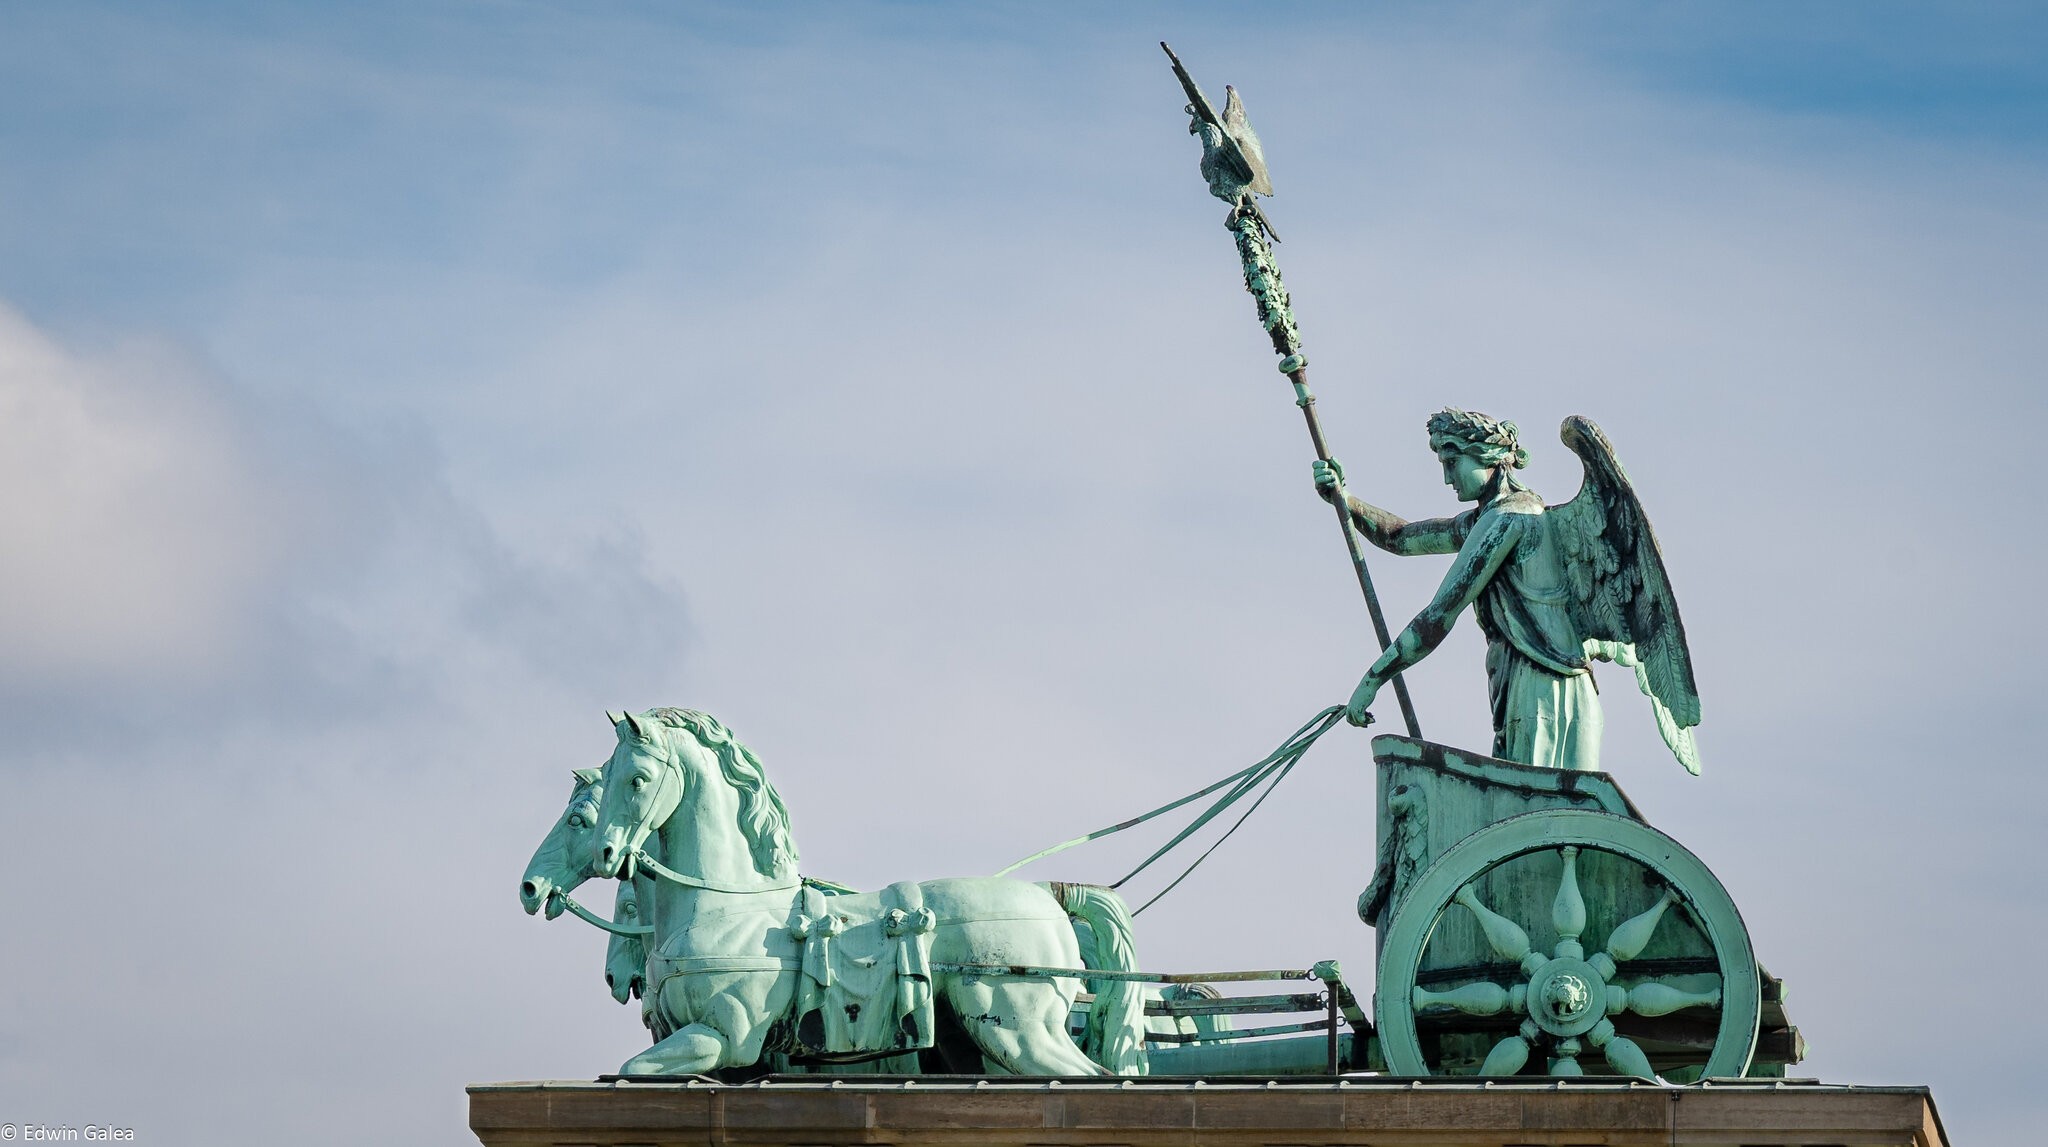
(1329, 477)
(1359, 711)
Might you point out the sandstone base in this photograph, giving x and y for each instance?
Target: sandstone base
(811, 1111)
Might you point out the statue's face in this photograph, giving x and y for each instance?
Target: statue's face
(1467, 476)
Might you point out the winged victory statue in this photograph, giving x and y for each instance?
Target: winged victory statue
(1554, 588)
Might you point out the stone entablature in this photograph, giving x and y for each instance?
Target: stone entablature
(815, 1112)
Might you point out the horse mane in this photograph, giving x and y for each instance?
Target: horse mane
(764, 820)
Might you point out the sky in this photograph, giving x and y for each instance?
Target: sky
(386, 390)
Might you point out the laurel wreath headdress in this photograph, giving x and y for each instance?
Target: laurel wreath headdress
(1493, 442)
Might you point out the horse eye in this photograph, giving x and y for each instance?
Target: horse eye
(576, 820)
(639, 782)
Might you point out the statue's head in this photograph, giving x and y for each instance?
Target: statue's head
(1480, 454)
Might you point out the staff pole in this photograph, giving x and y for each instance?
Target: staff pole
(1236, 168)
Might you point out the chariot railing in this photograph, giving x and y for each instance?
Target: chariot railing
(1342, 1023)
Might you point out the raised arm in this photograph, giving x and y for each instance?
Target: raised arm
(1390, 531)
(1491, 543)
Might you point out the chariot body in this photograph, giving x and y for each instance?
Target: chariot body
(1528, 921)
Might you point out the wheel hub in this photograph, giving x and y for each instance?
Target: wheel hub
(1567, 997)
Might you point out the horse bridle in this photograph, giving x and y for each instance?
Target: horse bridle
(640, 858)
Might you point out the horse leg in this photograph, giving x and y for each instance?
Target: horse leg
(729, 1017)
(692, 1051)
(1019, 1025)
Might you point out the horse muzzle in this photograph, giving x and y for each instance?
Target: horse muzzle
(535, 891)
(612, 856)
(623, 990)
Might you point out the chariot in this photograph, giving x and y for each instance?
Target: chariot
(1531, 920)
(1528, 921)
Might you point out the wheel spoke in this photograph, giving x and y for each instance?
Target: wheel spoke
(1633, 935)
(1651, 998)
(1568, 911)
(1567, 1061)
(1508, 940)
(1625, 1057)
(1472, 999)
(1507, 1057)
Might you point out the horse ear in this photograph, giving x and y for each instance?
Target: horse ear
(639, 733)
(612, 719)
(587, 776)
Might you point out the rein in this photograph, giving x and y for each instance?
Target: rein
(642, 931)
(663, 872)
(1270, 772)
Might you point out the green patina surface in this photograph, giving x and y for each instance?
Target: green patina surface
(745, 961)
(1262, 279)
(1554, 588)
(1494, 882)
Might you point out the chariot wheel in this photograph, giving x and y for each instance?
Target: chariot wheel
(1670, 974)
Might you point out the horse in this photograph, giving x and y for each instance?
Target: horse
(562, 860)
(625, 957)
(561, 863)
(684, 799)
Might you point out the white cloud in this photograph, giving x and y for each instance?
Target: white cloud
(135, 521)
(213, 558)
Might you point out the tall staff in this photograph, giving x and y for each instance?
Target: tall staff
(1236, 170)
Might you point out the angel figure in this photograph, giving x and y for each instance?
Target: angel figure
(1554, 587)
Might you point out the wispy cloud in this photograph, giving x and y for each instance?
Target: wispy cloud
(212, 558)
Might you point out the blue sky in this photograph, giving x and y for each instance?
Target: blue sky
(388, 390)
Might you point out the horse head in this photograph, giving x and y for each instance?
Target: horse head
(643, 785)
(735, 826)
(562, 861)
(625, 958)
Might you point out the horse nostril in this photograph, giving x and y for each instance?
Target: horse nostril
(528, 890)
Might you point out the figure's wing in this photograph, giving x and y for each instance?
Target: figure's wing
(1240, 129)
(1621, 596)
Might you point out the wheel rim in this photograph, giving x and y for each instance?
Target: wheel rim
(1566, 996)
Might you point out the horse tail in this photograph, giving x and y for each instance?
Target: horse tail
(1115, 1035)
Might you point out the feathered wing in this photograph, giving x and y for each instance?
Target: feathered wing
(1621, 596)
(1240, 129)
